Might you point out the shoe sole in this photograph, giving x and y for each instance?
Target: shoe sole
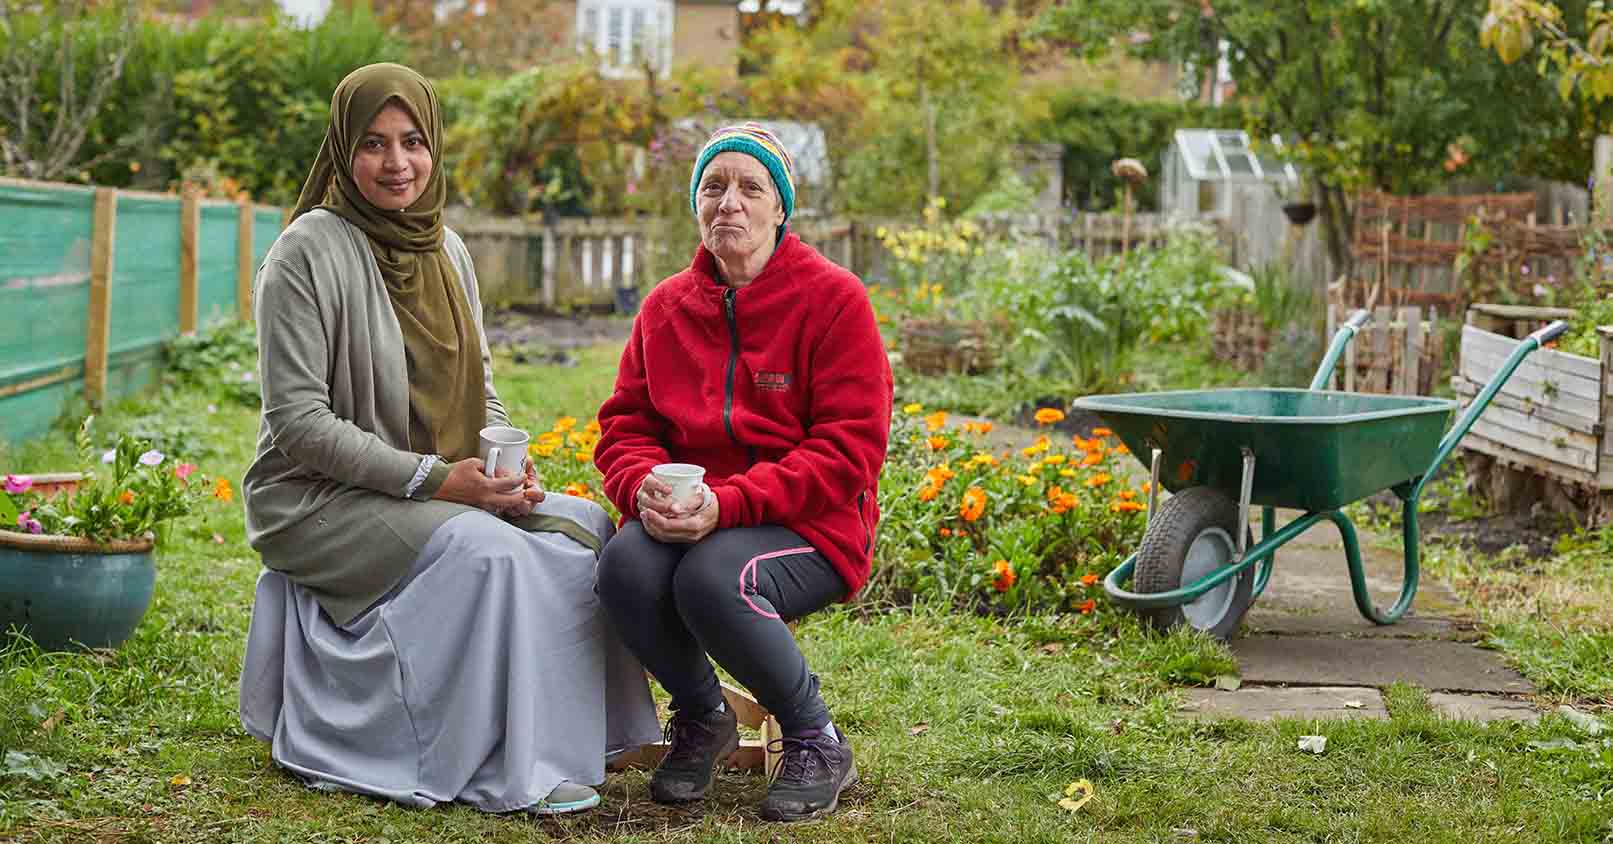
(834, 803)
(546, 809)
(723, 756)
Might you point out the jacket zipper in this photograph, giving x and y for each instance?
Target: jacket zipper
(733, 361)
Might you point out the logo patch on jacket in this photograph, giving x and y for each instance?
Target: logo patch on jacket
(774, 382)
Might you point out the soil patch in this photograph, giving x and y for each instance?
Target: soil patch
(1533, 533)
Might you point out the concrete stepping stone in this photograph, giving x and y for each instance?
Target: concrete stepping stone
(1483, 709)
(1264, 703)
(1324, 660)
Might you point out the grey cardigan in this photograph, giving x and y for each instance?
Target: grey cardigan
(325, 495)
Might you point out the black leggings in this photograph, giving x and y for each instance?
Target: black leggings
(728, 595)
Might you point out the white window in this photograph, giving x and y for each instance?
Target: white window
(626, 33)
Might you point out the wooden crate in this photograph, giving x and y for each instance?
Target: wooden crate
(1550, 420)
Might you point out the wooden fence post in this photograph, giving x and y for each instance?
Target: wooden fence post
(243, 259)
(97, 334)
(190, 212)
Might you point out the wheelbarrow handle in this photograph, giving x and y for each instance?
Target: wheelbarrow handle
(1526, 347)
(1550, 332)
(1341, 338)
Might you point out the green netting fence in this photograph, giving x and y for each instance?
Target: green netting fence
(62, 342)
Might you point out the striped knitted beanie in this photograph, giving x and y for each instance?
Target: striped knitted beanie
(762, 145)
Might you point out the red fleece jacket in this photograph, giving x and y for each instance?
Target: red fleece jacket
(780, 389)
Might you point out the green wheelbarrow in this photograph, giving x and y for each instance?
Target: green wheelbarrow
(1221, 452)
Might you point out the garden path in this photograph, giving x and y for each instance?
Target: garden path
(1305, 652)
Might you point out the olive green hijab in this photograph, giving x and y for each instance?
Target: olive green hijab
(447, 406)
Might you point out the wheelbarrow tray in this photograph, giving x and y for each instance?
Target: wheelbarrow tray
(1314, 449)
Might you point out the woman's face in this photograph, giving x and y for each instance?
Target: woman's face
(738, 208)
(392, 163)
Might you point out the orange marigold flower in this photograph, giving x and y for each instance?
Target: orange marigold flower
(1099, 480)
(541, 449)
(575, 488)
(1147, 485)
(1126, 507)
(928, 492)
(1128, 494)
(585, 455)
(1087, 606)
(1089, 579)
(1065, 503)
(940, 474)
(1049, 416)
(936, 421)
(1003, 576)
(1036, 448)
(1079, 442)
(565, 423)
(222, 491)
(1102, 432)
(946, 531)
(938, 443)
(977, 427)
(1121, 449)
(1093, 458)
(127, 496)
(592, 427)
(974, 504)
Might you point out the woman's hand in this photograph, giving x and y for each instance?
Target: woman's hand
(678, 527)
(506, 495)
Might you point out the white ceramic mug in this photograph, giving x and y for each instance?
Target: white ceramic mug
(503, 449)
(684, 478)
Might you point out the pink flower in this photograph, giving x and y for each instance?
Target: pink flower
(183, 470)
(18, 484)
(151, 458)
(34, 526)
(109, 456)
(22, 518)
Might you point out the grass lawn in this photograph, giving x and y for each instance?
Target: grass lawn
(965, 728)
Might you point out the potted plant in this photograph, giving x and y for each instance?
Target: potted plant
(76, 564)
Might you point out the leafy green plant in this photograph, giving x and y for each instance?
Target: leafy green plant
(222, 361)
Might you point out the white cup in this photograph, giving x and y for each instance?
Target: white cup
(684, 478)
(503, 449)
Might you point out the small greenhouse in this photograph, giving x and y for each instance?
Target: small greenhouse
(1203, 166)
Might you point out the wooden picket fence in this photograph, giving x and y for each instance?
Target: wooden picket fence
(1399, 352)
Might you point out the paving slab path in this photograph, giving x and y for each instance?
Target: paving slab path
(1306, 652)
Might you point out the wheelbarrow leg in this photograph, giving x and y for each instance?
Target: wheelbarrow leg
(1358, 575)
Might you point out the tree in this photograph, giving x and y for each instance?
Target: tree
(60, 61)
(1384, 94)
(1584, 64)
(911, 109)
(481, 37)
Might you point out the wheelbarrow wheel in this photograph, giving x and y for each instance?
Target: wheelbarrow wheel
(1192, 536)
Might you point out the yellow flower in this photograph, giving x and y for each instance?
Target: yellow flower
(542, 449)
(565, 423)
(551, 438)
(1054, 459)
(1033, 468)
(1067, 473)
(222, 491)
(592, 427)
(584, 455)
(1049, 416)
(1027, 480)
(936, 421)
(935, 290)
(983, 459)
(913, 408)
(1102, 432)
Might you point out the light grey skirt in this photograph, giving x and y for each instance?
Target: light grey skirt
(487, 677)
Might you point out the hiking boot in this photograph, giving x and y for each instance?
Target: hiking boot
(566, 798)
(812, 772)
(697, 744)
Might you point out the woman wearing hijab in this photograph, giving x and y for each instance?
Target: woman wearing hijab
(761, 362)
(423, 633)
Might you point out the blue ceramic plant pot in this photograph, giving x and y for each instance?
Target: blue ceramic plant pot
(66, 593)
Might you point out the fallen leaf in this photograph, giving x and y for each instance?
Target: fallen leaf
(1313, 744)
(218, 538)
(1052, 648)
(1117, 726)
(179, 780)
(1076, 795)
(1229, 682)
(1354, 704)
(51, 722)
(918, 729)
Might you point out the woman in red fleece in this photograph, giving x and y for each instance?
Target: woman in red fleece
(762, 363)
